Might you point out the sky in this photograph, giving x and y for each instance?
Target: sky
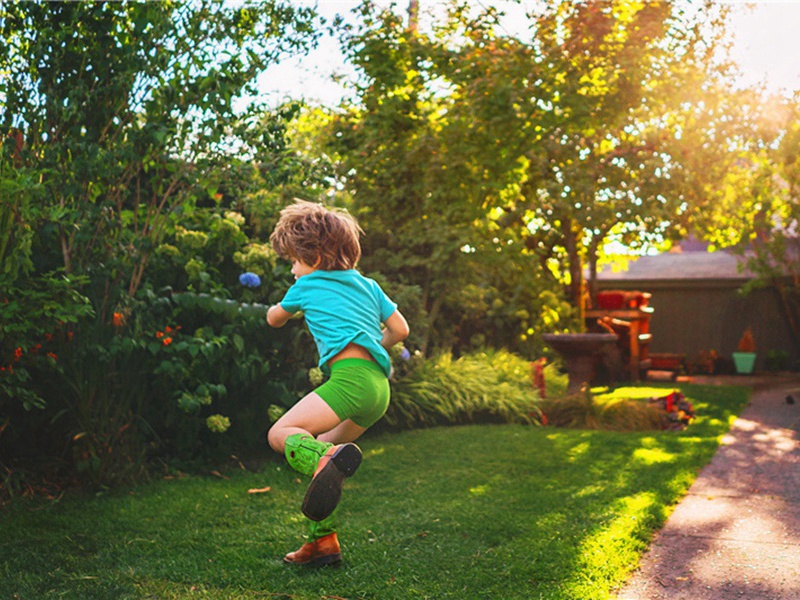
(766, 45)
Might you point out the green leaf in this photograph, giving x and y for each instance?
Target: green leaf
(238, 342)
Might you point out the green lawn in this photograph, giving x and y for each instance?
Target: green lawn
(484, 511)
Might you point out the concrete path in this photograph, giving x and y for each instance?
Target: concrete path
(736, 535)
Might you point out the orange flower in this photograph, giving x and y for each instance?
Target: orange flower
(166, 332)
(17, 353)
(167, 341)
(118, 319)
(53, 355)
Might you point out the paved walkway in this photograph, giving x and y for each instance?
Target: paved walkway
(736, 535)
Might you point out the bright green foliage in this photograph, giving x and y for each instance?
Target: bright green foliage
(480, 511)
(778, 253)
(746, 198)
(127, 112)
(586, 110)
(725, 151)
(486, 386)
(425, 194)
(494, 166)
(764, 220)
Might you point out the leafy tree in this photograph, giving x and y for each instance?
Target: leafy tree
(755, 209)
(474, 151)
(422, 192)
(126, 122)
(129, 111)
(777, 246)
(589, 104)
(32, 308)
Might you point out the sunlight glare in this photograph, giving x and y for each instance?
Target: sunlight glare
(766, 45)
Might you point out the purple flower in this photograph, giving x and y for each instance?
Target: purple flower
(405, 354)
(251, 280)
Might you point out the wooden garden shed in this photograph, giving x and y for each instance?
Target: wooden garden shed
(698, 308)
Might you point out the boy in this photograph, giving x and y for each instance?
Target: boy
(344, 311)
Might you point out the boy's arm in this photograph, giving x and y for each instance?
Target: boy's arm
(277, 317)
(396, 330)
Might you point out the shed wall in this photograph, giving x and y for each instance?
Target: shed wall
(693, 317)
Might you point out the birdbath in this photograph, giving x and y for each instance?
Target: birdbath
(578, 351)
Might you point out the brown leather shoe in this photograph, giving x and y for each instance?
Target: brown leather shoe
(324, 551)
(325, 490)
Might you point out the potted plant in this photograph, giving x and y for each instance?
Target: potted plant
(745, 358)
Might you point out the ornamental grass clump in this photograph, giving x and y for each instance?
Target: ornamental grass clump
(618, 411)
(584, 410)
(491, 386)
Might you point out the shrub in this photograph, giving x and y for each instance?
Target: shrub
(777, 360)
(584, 410)
(491, 386)
(222, 359)
(177, 377)
(747, 342)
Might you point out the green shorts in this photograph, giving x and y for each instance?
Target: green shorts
(357, 390)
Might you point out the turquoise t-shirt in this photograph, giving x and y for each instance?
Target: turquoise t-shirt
(342, 307)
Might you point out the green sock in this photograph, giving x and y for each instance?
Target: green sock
(303, 452)
(319, 529)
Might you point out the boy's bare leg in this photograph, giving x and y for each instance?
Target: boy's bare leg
(346, 431)
(310, 416)
(294, 434)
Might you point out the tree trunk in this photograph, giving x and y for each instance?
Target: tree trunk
(576, 284)
(413, 15)
(433, 314)
(789, 311)
(591, 259)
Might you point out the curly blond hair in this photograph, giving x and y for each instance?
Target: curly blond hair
(310, 232)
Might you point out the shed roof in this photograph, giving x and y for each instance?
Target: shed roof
(692, 265)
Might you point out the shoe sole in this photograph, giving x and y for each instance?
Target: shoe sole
(320, 561)
(325, 490)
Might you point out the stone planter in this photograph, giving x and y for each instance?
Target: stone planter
(578, 351)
